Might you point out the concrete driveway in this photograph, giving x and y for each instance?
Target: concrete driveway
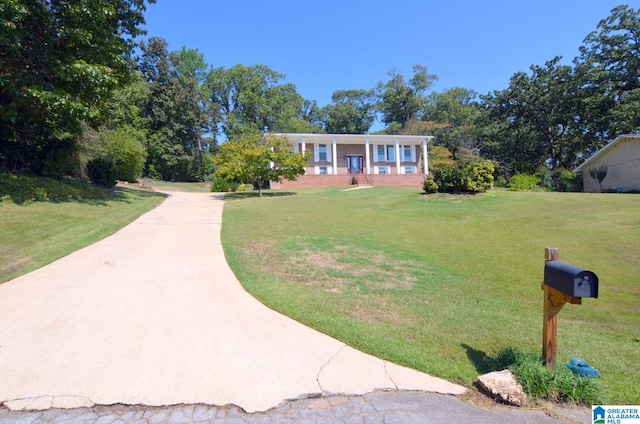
(153, 315)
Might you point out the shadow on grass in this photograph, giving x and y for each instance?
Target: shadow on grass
(480, 360)
(251, 194)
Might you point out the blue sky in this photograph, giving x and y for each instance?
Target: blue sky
(328, 45)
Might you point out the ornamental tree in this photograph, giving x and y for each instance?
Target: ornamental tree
(259, 159)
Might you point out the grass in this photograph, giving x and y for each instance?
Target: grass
(559, 384)
(33, 234)
(441, 283)
(197, 187)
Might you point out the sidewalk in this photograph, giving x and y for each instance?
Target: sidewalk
(154, 316)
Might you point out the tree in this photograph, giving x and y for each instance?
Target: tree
(538, 119)
(400, 100)
(457, 109)
(176, 113)
(258, 160)
(352, 112)
(599, 174)
(610, 58)
(59, 62)
(252, 99)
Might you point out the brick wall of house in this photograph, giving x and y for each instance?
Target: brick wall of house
(407, 180)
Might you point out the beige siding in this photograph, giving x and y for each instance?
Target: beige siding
(623, 168)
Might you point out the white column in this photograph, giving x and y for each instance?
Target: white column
(335, 157)
(303, 149)
(367, 156)
(398, 156)
(425, 163)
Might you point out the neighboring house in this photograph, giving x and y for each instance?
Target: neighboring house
(622, 159)
(343, 159)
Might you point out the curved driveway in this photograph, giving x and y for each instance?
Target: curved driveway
(153, 315)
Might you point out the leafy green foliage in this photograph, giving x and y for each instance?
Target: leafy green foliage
(220, 185)
(429, 185)
(525, 182)
(102, 172)
(175, 114)
(258, 160)
(125, 148)
(559, 384)
(252, 100)
(59, 62)
(599, 174)
(352, 112)
(462, 177)
(401, 100)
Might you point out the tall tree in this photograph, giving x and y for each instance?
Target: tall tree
(543, 110)
(399, 99)
(456, 110)
(610, 62)
(252, 99)
(174, 113)
(59, 61)
(352, 112)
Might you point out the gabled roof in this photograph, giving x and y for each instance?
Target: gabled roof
(605, 148)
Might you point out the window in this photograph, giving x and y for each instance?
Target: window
(391, 153)
(385, 153)
(409, 170)
(382, 170)
(381, 155)
(322, 152)
(406, 153)
(323, 170)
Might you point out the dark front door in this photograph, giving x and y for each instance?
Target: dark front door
(354, 164)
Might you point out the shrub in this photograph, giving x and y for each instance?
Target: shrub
(125, 147)
(569, 180)
(219, 185)
(102, 171)
(464, 177)
(525, 182)
(429, 185)
(560, 384)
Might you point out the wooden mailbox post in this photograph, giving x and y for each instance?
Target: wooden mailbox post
(554, 300)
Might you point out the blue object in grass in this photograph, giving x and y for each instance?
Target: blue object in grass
(580, 367)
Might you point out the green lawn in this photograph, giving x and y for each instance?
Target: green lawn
(441, 283)
(35, 234)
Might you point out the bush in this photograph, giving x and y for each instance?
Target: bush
(463, 177)
(525, 182)
(219, 185)
(102, 171)
(429, 185)
(124, 146)
(559, 385)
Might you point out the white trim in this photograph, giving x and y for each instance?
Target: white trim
(425, 164)
(367, 154)
(398, 156)
(334, 148)
(604, 149)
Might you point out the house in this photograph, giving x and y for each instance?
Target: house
(344, 159)
(622, 159)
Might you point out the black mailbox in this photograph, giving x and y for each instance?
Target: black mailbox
(570, 280)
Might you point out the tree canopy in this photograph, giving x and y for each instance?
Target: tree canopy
(258, 159)
(59, 63)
